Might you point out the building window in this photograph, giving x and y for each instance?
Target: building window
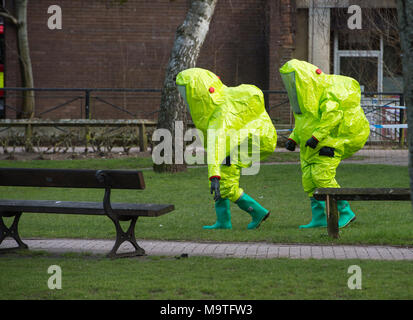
(371, 55)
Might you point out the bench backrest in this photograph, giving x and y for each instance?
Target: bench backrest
(363, 193)
(71, 178)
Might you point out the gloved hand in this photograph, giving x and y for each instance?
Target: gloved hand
(326, 151)
(312, 143)
(290, 145)
(227, 161)
(215, 188)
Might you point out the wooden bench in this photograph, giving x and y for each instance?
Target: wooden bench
(332, 195)
(66, 178)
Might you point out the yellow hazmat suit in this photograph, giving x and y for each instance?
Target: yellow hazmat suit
(330, 125)
(229, 118)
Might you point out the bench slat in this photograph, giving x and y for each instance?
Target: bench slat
(69, 178)
(389, 194)
(85, 208)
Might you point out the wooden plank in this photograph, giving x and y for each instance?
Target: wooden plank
(70, 178)
(82, 208)
(143, 139)
(332, 216)
(361, 194)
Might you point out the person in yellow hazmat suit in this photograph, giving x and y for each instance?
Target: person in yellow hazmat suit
(228, 118)
(330, 125)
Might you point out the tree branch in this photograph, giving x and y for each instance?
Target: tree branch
(10, 17)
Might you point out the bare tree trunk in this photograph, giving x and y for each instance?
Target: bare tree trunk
(25, 61)
(189, 38)
(20, 22)
(405, 13)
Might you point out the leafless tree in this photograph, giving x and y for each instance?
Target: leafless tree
(405, 13)
(189, 38)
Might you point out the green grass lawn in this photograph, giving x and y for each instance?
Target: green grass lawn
(200, 278)
(277, 187)
(24, 275)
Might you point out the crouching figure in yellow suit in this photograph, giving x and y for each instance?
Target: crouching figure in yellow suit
(228, 117)
(330, 126)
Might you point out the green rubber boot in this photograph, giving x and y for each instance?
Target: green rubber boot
(319, 218)
(223, 212)
(346, 214)
(255, 210)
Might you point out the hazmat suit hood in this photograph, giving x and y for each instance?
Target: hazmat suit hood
(194, 86)
(326, 107)
(305, 84)
(214, 106)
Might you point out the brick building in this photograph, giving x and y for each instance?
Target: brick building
(103, 45)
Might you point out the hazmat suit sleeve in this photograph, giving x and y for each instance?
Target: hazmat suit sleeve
(214, 169)
(330, 118)
(216, 144)
(293, 136)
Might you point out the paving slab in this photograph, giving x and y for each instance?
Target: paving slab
(254, 250)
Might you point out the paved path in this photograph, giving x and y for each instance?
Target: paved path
(223, 250)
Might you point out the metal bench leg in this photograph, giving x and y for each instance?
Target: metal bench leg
(122, 236)
(11, 232)
(332, 217)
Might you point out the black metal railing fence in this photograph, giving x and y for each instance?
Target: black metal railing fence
(384, 110)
